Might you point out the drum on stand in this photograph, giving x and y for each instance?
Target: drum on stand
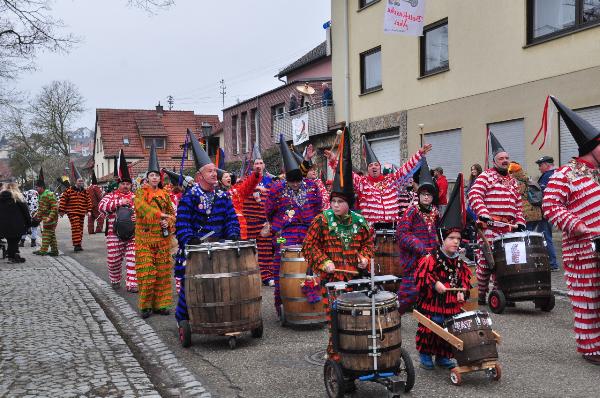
(474, 328)
(387, 256)
(296, 308)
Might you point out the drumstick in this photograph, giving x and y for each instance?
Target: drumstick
(346, 271)
(336, 139)
(455, 289)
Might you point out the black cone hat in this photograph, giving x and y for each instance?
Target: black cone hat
(496, 146)
(115, 168)
(586, 136)
(201, 158)
(368, 152)
(425, 179)
(173, 177)
(153, 165)
(123, 170)
(342, 181)
(454, 218)
(290, 165)
(40, 180)
(299, 158)
(94, 179)
(75, 175)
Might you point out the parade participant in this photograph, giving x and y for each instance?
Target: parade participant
(442, 184)
(204, 212)
(338, 239)
(572, 204)
(546, 167)
(258, 228)
(377, 195)
(291, 206)
(239, 191)
(173, 188)
(96, 220)
(496, 200)
(31, 198)
(14, 219)
(48, 215)
(120, 238)
(416, 236)
(76, 203)
(309, 171)
(437, 272)
(154, 219)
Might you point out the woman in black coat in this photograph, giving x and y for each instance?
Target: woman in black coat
(14, 219)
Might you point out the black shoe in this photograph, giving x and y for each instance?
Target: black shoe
(33, 243)
(115, 285)
(22, 243)
(77, 249)
(146, 313)
(16, 259)
(53, 254)
(162, 311)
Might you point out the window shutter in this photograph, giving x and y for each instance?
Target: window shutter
(446, 152)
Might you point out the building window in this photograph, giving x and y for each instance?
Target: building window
(278, 111)
(548, 18)
(370, 70)
(159, 143)
(434, 48)
(206, 129)
(364, 3)
(253, 122)
(234, 132)
(125, 140)
(243, 135)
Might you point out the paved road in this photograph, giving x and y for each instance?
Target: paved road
(537, 354)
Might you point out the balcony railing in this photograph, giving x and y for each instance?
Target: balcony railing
(320, 117)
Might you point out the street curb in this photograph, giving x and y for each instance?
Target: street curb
(170, 377)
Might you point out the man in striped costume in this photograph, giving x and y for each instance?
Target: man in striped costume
(118, 248)
(47, 213)
(253, 210)
(96, 220)
(572, 203)
(203, 210)
(496, 200)
(291, 206)
(76, 203)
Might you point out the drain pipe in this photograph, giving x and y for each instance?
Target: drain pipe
(346, 64)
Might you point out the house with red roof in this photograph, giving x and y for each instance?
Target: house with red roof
(136, 130)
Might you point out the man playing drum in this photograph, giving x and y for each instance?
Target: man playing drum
(338, 243)
(496, 200)
(572, 203)
(203, 212)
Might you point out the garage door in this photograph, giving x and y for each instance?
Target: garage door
(568, 146)
(386, 147)
(446, 152)
(511, 135)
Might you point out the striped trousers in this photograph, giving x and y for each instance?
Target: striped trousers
(264, 247)
(49, 239)
(76, 221)
(153, 270)
(118, 249)
(484, 273)
(95, 223)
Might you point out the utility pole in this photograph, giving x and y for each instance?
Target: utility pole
(223, 92)
(170, 101)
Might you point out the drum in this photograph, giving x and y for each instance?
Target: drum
(222, 287)
(474, 328)
(296, 309)
(522, 266)
(353, 314)
(387, 256)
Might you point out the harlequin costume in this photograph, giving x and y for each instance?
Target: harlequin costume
(572, 200)
(494, 196)
(338, 239)
(290, 211)
(96, 220)
(117, 248)
(452, 272)
(239, 192)
(47, 213)
(305, 167)
(200, 212)
(75, 202)
(152, 249)
(416, 236)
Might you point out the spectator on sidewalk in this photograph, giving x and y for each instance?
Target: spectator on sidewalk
(533, 214)
(14, 220)
(476, 169)
(546, 167)
(442, 184)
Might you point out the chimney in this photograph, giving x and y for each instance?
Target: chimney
(159, 109)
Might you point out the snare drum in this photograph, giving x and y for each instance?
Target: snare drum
(474, 328)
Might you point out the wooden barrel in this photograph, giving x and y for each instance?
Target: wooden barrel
(471, 303)
(522, 274)
(296, 309)
(474, 328)
(353, 320)
(387, 256)
(222, 287)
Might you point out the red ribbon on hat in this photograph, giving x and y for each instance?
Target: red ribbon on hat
(544, 126)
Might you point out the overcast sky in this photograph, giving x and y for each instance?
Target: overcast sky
(128, 58)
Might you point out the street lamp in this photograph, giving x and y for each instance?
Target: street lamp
(30, 167)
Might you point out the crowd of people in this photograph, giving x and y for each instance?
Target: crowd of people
(335, 224)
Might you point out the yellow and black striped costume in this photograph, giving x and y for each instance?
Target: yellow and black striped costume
(76, 203)
(152, 252)
(48, 213)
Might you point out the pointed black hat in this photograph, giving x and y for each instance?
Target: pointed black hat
(342, 181)
(94, 179)
(299, 158)
(173, 177)
(496, 146)
(368, 152)
(153, 165)
(425, 179)
(201, 158)
(40, 180)
(75, 175)
(122, 169)
(290, 165)
(256, 152)
(115, 169)
(586, 136)
(454, 218)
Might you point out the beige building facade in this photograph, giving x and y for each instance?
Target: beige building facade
(480, 64)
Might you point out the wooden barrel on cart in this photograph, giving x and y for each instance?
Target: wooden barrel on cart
(474, 328)
(353, 314)
(296, 308)
(222, 287)
(387, 256)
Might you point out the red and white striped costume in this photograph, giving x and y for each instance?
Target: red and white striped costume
(496, 197)
(377, 198)
(571, 198)
(324, 194)
(115, 247)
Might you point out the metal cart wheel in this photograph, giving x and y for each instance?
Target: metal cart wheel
(455, 377)
(497, 301)
(497, 372)
(185, 334)
(548, 304)
(407, 367)
(334, 379)
(258, 332)
(232, 341)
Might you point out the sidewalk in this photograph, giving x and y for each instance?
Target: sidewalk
(56, 339)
